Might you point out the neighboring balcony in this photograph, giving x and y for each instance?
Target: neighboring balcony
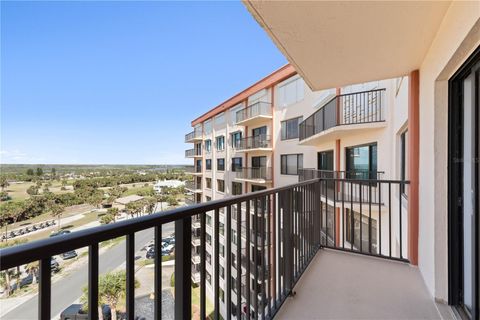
(193, 153)
(261, 143)
(195, 276)
(345, 114)
(259, 175)
(255, 114)
(195, 135)
(193, 186)
(195, 170)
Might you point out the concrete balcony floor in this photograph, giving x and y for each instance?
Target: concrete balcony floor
(339, 285)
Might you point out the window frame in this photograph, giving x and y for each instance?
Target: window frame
(298, 166)
(285, 123)
(222, 167)
(218, 144)
(219, 183)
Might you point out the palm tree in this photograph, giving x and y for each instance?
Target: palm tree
(32, 268)
(56, 211)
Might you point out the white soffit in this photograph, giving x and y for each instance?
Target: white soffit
(333, 44)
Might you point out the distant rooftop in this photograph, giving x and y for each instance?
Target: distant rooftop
(128, 199)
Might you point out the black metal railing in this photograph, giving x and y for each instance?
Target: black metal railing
(351, 108)
(196, 152)
(289, 224)
(260, 108)
(255, 173)
(195, 134)
(255, 142)
(194, 169)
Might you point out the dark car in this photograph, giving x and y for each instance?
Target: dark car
(150, 253)
(54, 266)
(27, 280)
(69, 255)
(75, 312)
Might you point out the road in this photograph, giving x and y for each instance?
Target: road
(67, 290)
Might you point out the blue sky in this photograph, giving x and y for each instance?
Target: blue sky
(119, 82)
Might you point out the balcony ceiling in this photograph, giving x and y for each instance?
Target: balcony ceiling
(333, 44)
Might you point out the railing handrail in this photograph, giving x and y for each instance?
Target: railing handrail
(36, 250)
(247, 109)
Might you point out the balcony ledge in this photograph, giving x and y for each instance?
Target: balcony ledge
(340, 131)
(257, 181)
(254, 150)
(253, 121)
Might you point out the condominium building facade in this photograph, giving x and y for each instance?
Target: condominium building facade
(278, 132)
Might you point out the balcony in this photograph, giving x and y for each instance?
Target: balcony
(340, 265)
(193, 153)
(195, 170)
(194, 136)
(255, 114)
(254, 144)
(193, 186)
(345, 114)
(259, 175)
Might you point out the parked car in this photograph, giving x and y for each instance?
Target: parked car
(27, 280)
(75, 312)
(168, 248)
(69, 255)
(150, 254)
(54, 266)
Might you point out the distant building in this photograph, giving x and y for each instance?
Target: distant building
(121, 203)
(158, 187)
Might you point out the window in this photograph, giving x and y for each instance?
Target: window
(362, 162)
(222, 251)
(233, 113)
(209, 239)
(290, 92)
(207, 126)
(208, 220)
(198, 165)
(236, 188)
(220, 143)
(290, 128)
(403, 160)
(208, 257)
(208, 146)
(290, 163)
(236, 139)
(221, 164)
(208, 164)
(234, 236)
(222, 294)
(236, 164)
(208, 182)
(221, 228)
(208, 276)
(222, 272)
(221, 185)
(207, 198)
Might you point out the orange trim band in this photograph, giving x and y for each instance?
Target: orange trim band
(413, 159)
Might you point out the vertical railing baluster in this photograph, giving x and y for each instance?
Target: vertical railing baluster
(216, 250)
(44, 289)
(130, 266)
(183, 268)
(228, 263)
(389, 219)
(400, 219)
(360, 188)
(93, 281)
(370, 217)
(343, 213)
(352, 219)
(380, 218)
(263, 264)
(203, 273)
(255, 257)
(239, 261)
(247, 253)
(269, 257)
(157, 273)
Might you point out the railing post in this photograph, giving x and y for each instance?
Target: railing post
(288, 242)
(183, 268)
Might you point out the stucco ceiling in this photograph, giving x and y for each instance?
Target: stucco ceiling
(336, 43)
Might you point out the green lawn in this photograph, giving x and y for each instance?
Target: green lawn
(196, 303)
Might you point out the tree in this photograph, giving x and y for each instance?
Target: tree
(111, 289)
(56, 210)
(4, 182)
(110, 216)
(96, 198)
(39, 172)
(30, 172)
(172, 201)
(150, 204)
(4, 196)
(32, 268)
(32, 190)
(54, 173)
